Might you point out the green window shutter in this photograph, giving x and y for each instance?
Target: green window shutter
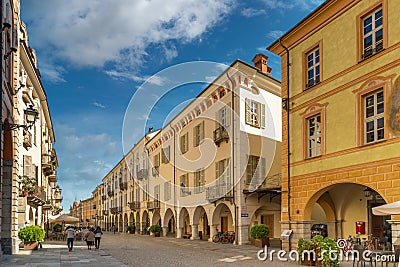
(202, 130)
(262, 116)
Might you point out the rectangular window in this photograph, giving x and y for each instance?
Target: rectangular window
(167, 191)
(184, 142)
(165, 154)
(222, 172)
(157, 192)
(156, 160)
(313, 67)
(255, 113)
(374, 117)
(198, 134)
(372, 33)
(199, 182)
(223, 117)
(184, 184)
(314, 136)
(255, 171)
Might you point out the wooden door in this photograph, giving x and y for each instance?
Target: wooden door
(268, 220)
(224, 224)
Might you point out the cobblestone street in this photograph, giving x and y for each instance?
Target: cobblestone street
(137, 250)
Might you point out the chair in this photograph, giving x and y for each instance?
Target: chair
(360, 249)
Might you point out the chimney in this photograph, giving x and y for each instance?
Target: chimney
(260, 62)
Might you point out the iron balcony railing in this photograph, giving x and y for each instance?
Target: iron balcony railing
(142, 174)
(220, 134)
(151, 205)
(222, 190)
(134, 205)
(38, 198)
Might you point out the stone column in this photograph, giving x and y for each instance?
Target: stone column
(213, 231)
(301, 229)
(395, 231)
(243, 235)
(179, 232)
(164, 231)
(195, 232)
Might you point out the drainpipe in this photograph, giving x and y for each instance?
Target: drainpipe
(233, 159)
(176, 220)
(288, 132)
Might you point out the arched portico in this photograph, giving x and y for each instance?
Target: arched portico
(156, 219)
(145, 222)
(120, 224)
(169, 223)
(125, 222)
(200, 226)
(222, 219)
(131, 219)
(184, 228)
(340, 206)
(137, 223)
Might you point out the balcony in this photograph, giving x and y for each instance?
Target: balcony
(116, 210)
(52, 178)
(223, 190)
(199, 189)
(155, 171)
(123, 185)
(110, 193)
(271, 183)
(27, 143)
(220, 134)
(152, 205)
(47, 205)
(142, 174)
(103, 198)
(134, 205)
(38, 197)
(185, 191)
(105, 212)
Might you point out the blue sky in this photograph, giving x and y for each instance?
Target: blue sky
(94, 54)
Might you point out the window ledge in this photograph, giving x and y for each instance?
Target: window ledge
(362, 60)
(373, 143)
(315, 85)
(314, 157)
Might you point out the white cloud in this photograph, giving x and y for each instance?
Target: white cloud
(284, 4)
(252, 12)
(93, 33)
(275, 34)
(99, 105)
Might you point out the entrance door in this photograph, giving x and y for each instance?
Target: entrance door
(224, 224)
(268, 220)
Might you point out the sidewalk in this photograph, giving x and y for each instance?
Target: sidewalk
(55, 253)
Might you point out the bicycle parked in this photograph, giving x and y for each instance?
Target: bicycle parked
(225, 238)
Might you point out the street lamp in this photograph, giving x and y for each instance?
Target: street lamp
(31, 115)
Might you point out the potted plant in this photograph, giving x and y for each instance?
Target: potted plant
(131, 229)
(155, 229)
(30, 236)
(27, 185)
(304, 245)
(260, 234)
(57, 227)
(325, 244)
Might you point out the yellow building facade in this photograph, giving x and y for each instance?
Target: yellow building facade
(340, 148)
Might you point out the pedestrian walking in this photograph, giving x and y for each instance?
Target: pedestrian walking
(90, 238)
(70, 233)
(97, 236)
(113, 228)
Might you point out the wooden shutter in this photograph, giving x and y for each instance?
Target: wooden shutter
(248, 113)
(262, 115)
(228, 114)
(28, 166)
(202, 130)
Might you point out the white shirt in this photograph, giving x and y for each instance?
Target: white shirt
(70, 233)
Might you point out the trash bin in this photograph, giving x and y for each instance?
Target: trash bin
(319, 229)
(201, 235)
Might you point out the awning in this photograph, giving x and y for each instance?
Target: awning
(387, 209)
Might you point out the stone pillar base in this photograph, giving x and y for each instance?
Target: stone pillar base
(195, 232)
(395, 231)
(243, 235)
(164, 231)
(9, 246)
(179, 232)
(213, 232)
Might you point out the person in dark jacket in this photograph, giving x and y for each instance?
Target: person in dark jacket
(97, 236)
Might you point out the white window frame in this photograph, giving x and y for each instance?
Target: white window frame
(314, 136)
(375, 46)
(375, 118)
(255, 113)
(313, 64)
